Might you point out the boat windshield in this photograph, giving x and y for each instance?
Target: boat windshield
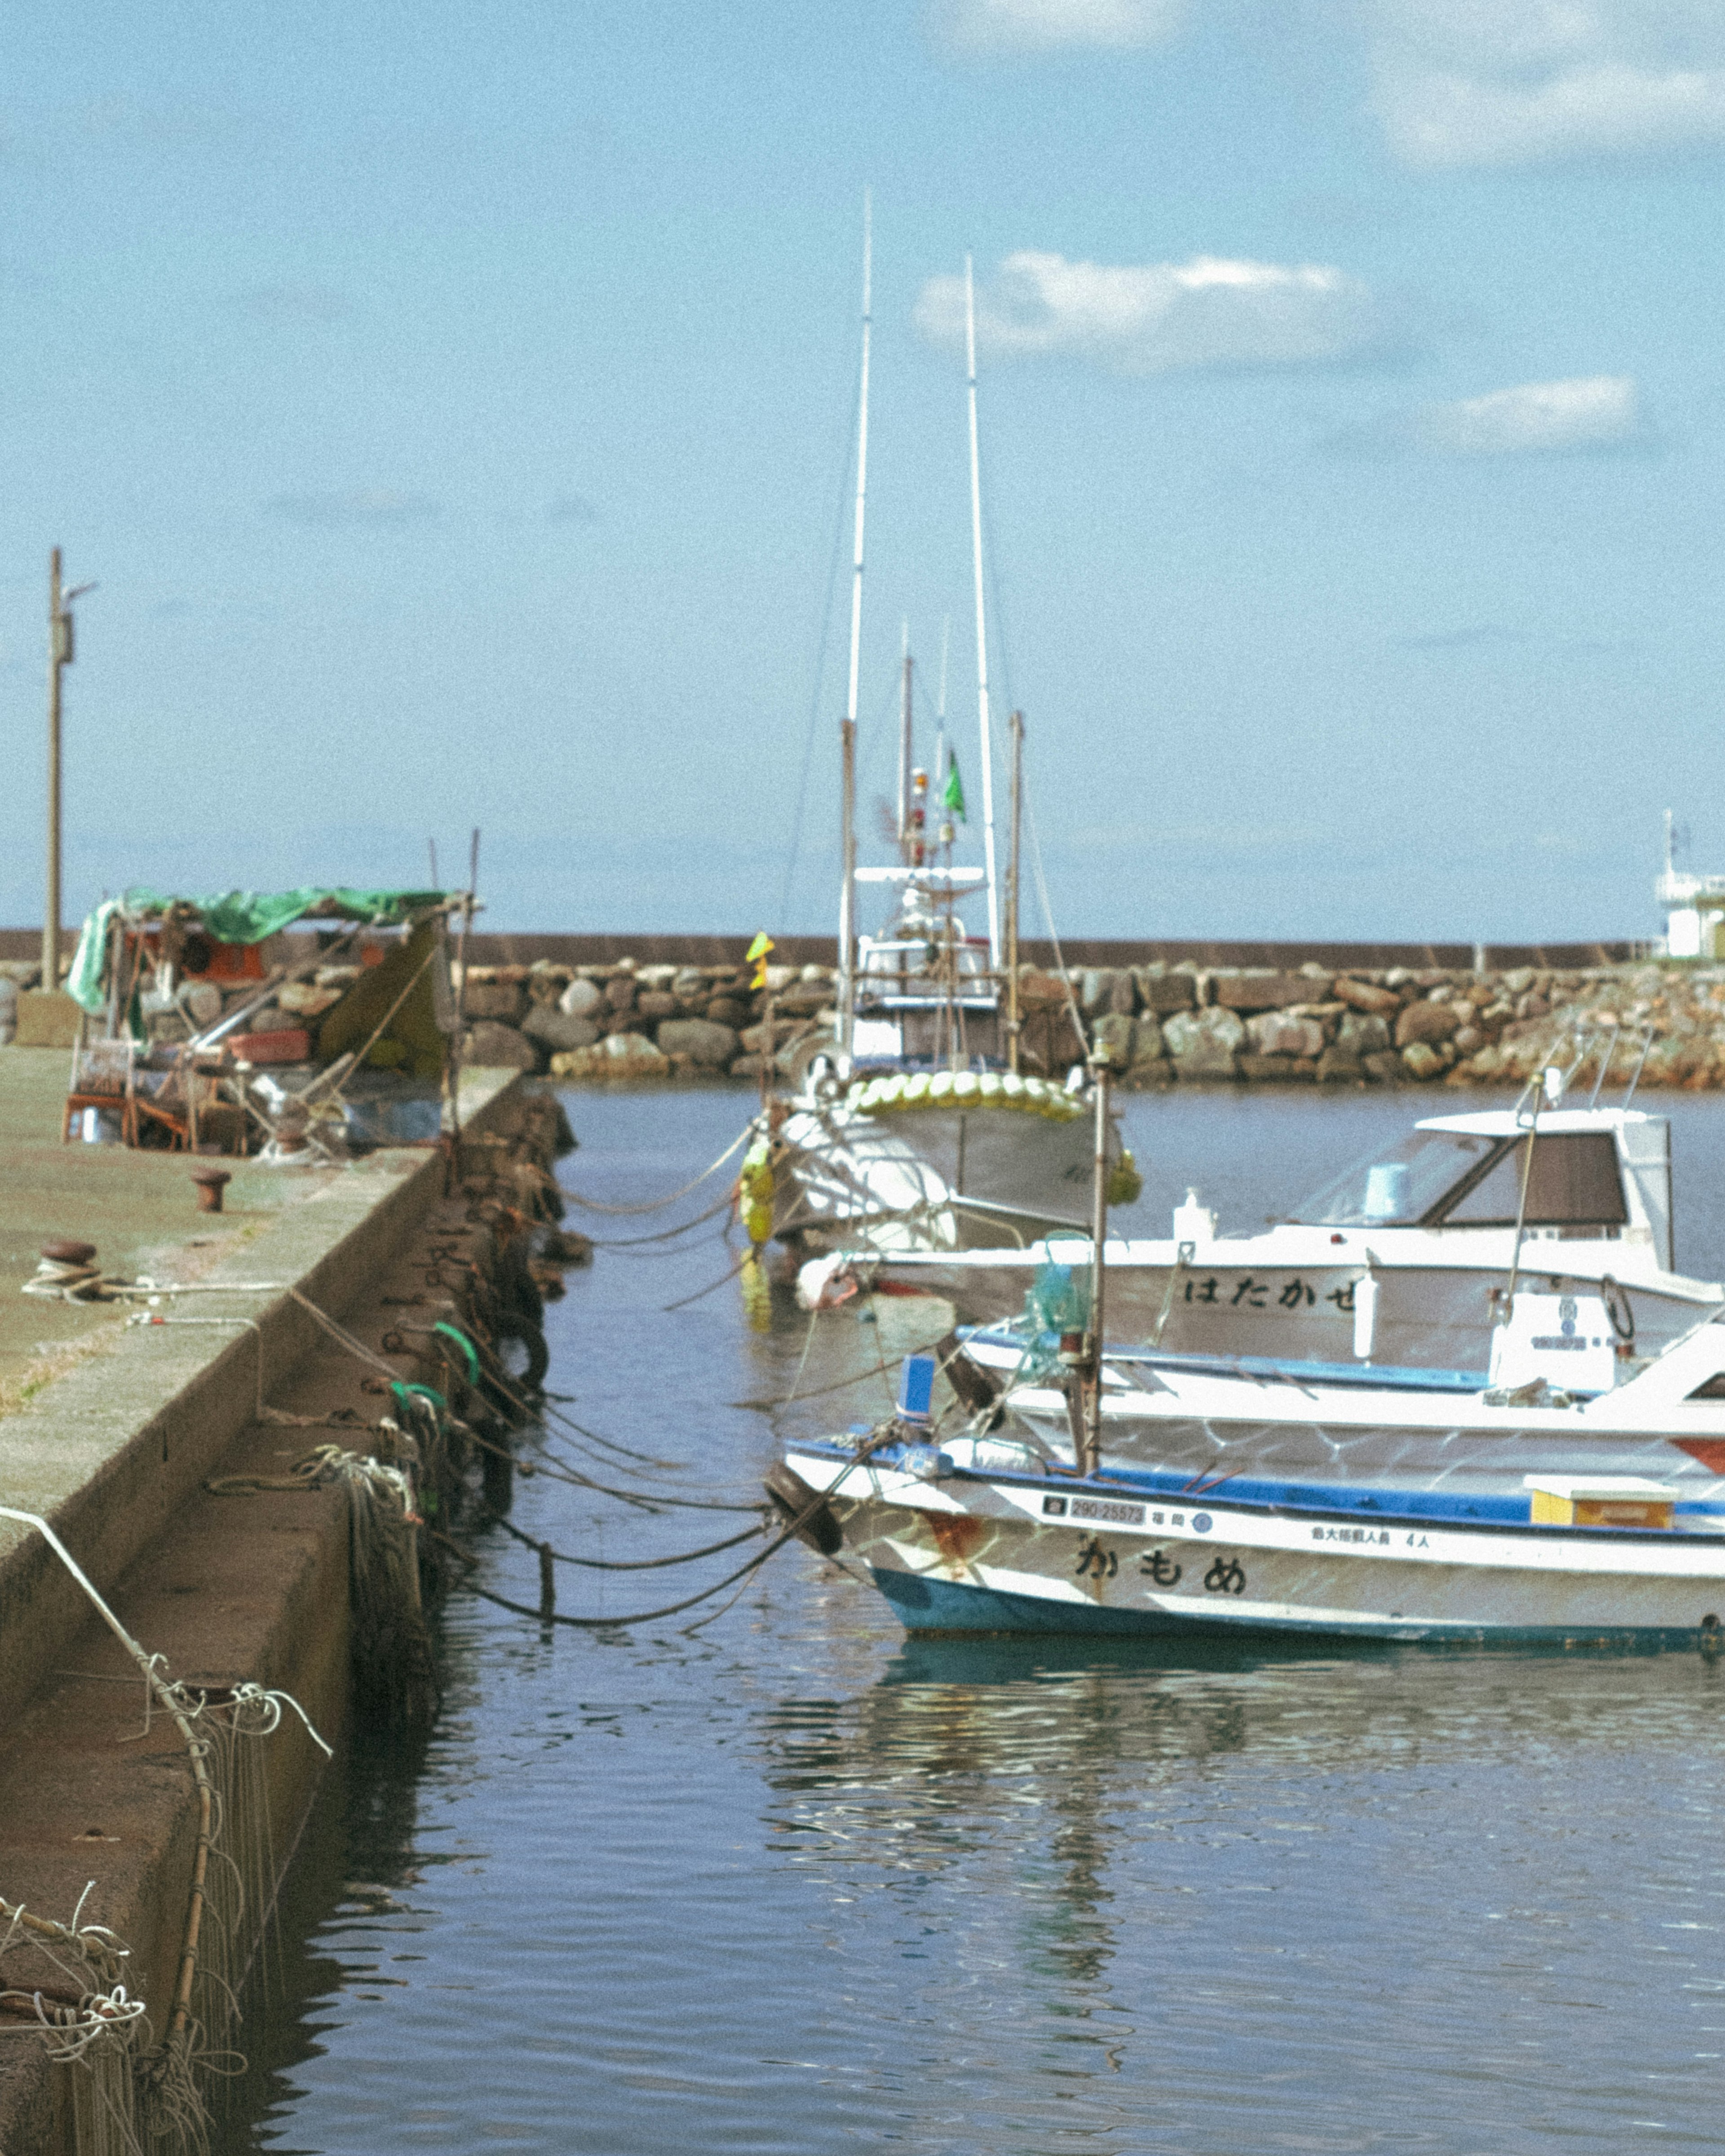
(1397, 1184)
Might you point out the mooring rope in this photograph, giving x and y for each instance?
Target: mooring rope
(658, 1204)
(887, 1435)
(622, 1564)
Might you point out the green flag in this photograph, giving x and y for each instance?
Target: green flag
(952, 795)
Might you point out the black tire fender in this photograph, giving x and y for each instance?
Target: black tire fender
(804, 1510)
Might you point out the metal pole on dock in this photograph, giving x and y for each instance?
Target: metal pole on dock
(1016, 729)
(1094, 1345)
(56, 659)
(61, 651)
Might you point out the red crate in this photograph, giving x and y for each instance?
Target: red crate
(292, 1045)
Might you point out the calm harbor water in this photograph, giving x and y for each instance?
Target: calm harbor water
(793, 1883)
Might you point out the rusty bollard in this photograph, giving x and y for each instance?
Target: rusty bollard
(210, 1182)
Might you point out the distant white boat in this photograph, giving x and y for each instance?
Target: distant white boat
(1400, 1261)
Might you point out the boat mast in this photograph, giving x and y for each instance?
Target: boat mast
(1016, 727)
(847, 733)
(982, 638)
(1090, 1457)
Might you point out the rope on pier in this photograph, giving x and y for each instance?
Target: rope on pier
(90, 2022)
(164, 2078)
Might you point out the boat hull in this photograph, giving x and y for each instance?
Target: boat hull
(933, 1178)
(966, 1553)
(1440, 1315)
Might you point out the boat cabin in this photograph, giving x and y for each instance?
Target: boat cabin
(925, 996)
(1593, 1173)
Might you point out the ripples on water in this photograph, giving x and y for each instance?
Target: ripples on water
(796, 1884)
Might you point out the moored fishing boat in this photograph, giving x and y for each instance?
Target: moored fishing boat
(1400, 1259)
(912, 1127)
(1277, 1500)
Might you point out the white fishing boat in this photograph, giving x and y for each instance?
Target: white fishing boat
(912, 1127)
(1402, 1260)
(1398, 1506)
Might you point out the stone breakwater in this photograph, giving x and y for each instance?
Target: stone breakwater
(1399, 1026)
(644, 1021)
(1163, 1025)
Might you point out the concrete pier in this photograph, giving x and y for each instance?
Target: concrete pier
(110, 1431)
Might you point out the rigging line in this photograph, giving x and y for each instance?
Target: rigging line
(1048, 918)
(803, 1359)
(662, 1235)
(820, 663)
(684, 1301)
(657, 1205)
(838, 1385)
(626, 1564)
(992, 560)
(560, 1470)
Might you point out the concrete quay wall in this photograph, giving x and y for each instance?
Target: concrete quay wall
(228, 1589)
(110, 1452)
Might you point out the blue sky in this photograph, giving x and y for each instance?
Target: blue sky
(454, 404)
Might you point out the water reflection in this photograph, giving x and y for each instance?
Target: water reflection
(798, 1886)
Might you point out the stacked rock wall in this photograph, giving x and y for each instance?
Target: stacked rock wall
(635, 1022)
(1165, 1025)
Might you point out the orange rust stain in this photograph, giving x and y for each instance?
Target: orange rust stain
(956, 1537)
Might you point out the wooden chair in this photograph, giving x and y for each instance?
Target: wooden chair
(102, 1078)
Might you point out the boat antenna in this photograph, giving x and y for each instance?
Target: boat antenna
(981, 636)
(847, 733)
(939, 737)
(907, 663)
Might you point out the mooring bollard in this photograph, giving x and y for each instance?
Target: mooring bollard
(547, 1584)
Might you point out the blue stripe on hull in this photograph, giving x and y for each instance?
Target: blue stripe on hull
(925, 1605)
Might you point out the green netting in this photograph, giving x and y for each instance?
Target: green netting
(235, 916)
(1058, 1301)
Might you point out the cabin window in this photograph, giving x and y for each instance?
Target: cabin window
(1398, 1184)
(1575, 1182)
(1712, 1389)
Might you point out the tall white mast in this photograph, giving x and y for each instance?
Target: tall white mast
(981, 636)
(847, 894)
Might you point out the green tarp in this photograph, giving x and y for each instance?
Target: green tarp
(235, 916)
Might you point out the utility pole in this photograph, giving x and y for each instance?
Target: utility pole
(60, 653)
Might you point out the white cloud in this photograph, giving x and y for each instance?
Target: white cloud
(985, 26)
(1153, 317)
(1537, 419)
(1501, 82)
